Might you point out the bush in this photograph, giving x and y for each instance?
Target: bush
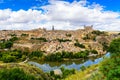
(67, 54)
(6, 44)
(16, 54)
(94, 52)
(86, 37)
(15, 74)
(68, 35)
(54, 57)
(2, 45)
(41, 39)
(110, 67)
(114, 46)
(81, 54)
(82, 67)
(98, 32)
(36, 54)
(105, 46)
(8, 58)
(59, 56)
(24, 35)
(67, 72)
(12, 56)
(13, 39)
(79, 45)
(63, 40)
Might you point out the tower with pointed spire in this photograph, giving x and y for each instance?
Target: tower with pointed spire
(53, 28)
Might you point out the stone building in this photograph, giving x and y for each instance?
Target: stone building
(88, 28)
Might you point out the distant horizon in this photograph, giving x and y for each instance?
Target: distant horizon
(64, 14)
(54, 29)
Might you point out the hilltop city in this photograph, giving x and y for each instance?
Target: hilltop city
(51, 41)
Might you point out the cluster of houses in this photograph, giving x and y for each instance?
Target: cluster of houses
(52, 36)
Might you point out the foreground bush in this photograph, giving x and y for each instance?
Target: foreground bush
(15, 74)
(110, 67)
(114, 46)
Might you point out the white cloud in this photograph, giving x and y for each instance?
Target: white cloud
(20, 19)
(63, 15)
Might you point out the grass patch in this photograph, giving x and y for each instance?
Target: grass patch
(83, 75)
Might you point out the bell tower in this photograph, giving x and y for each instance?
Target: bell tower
(53, 28)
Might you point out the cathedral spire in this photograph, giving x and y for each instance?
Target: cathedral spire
(53, 28)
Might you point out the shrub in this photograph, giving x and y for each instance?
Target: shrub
(12, 56)
(94, 52)
(105, 46)
(8, 44)
(98, 32)
(54, 57)
(16, 54)
(79, 45)
(114, 46)
(13, 39)
(67, 72)
(82, 67)
(15, 74)
(110, 67)
(23, 35)
(86, 37)
(67, 54)
(63, 40)
(81, 54)
(36, 54)
(68, 35)
(8, 58)
(41, 39)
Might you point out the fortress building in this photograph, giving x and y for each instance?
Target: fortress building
(88, 28)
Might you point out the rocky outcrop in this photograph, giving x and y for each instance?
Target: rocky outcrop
(57, 72)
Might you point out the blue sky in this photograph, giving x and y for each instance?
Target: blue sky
(63, 14)
(21, 4)
(113, 5)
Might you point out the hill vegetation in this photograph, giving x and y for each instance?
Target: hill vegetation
(17, 47)
(108, 69)
(21, 71)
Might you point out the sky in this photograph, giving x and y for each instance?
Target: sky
(63, 14)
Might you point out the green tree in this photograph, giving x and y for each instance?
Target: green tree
(79, 45)
(98, 32)
(82, 67)
(16, 54)
(8, 44)
(114, 46)
(54, 57)
(110, 67)
(94, 51)
(13, 39)
(8, 58)
(36, 54)
(67, 72)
